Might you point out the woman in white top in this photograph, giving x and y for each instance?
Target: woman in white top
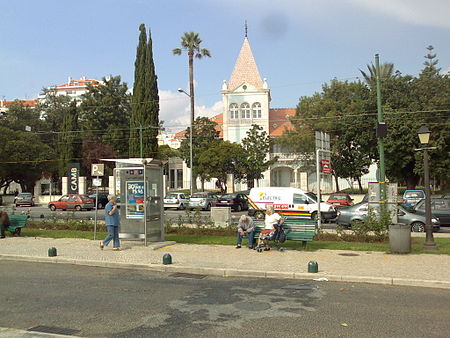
(272, 218)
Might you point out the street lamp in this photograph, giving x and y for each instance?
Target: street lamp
(424, 137)
(180, 90)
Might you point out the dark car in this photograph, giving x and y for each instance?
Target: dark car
(340, 200)
(358, 213)
(72, 201)
(236, 201)
(24, 198)
(440, 208)
(102, 199)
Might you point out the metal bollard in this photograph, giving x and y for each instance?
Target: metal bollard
(167, 259)
(313, 267)
(52, 252)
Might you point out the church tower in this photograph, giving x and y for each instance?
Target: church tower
(246, 97)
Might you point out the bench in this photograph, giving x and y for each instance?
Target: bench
(296, 229)
(17, 223)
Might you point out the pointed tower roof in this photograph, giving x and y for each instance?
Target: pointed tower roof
(245, 69)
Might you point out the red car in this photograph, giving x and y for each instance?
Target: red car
(340, 200)
(77, 202)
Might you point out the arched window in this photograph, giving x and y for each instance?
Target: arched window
(256, 110)
(234, 111)
(245, 110)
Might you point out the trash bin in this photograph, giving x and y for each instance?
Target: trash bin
(400, 238)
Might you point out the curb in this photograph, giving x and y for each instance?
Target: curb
(221, 272)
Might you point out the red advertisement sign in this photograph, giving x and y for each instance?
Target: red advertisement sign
(280, 206)
(326, 167)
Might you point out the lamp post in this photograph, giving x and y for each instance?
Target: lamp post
(180, 90)
(424, 137)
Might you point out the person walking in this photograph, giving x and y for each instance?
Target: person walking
(246, 227)
(112, 223)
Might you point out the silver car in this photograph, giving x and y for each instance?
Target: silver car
(203, 200)
(24, 198)
(358, 212)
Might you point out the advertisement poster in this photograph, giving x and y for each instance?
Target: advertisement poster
(135, 199)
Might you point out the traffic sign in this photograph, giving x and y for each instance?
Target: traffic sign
(326, 167)
(98, 169)
(97, 182)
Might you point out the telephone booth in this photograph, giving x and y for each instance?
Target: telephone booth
(138, 185)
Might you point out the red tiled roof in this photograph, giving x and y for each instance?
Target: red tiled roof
(79, 83)
(26, 103)
(279, 121)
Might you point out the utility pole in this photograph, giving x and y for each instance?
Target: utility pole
(382, 171)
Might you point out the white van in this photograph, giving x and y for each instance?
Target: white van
(289, 202)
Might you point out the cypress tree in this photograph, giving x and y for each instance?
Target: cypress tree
(145, 102)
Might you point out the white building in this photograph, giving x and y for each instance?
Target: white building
(73, 88)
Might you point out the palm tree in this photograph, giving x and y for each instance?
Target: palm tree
(386, 71)
(190, 42)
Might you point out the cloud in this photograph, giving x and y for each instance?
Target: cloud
(175, 110)
(427, 13)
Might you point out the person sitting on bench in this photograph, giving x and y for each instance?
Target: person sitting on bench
(246, 227)
(272, 219)
(4, 223)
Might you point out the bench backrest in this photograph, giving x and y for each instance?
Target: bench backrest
(295, 229)
(18, 220)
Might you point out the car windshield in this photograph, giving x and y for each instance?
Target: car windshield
(312, 196)
(24, 195)
(84, 197)
(228, 196)
(200, 195)
(171, 196)
(337, 197)
(414, 194)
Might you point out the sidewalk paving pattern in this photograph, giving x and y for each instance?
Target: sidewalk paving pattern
(335, 265)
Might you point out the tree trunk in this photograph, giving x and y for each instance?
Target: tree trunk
(191, 96)
(250, 182)
(359, 184)
(336, 180)
(411, 181)
(203, 183)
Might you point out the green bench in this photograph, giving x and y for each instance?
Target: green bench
(17, 223)
(296, 229)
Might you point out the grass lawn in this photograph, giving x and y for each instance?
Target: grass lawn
(417, 243)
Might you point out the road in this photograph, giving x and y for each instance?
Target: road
(102, 302)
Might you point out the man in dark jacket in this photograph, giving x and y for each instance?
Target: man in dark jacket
(4, 223)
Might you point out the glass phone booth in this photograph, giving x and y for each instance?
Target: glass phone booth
(138, 185)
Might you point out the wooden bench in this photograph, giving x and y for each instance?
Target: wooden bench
(296, 229)
(17, 223)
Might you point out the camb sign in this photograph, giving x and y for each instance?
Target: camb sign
(73, 176)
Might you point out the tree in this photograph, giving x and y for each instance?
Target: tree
(23, 158)
(145, 102)
(386, 71)
(204, 133)
(18, 116)
(430, 64)
(69, 139)
(93, 151)
(190, 42)
(105, 114)
(256, 146)
(220, 159)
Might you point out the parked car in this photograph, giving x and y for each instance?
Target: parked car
(73, 201)
(446, 196)
(440, 208)
(340, 200)
(24, 198)
(236, 201)
(176, 200)
(102, 199)
(358, 213)
(204, 200)
(411, 197)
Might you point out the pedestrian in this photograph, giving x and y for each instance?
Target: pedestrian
(112, 223)
(246, 227)
(272, 219)
(4, 223)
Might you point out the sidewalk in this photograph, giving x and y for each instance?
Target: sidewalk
(335, 265)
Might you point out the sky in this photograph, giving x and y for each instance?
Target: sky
(298, 44)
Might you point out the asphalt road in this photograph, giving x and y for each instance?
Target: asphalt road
(102, 302)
